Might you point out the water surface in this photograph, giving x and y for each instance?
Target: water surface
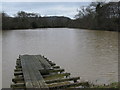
(92, 55)
(0, 59)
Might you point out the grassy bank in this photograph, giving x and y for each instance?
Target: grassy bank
(111, 85)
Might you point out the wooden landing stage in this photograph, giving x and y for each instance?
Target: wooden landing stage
(36, 71)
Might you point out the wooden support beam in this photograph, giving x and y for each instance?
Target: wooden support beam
(56, 70)
(18, 85)
(55, 67)
(69, 85)
(46, 72)
(19, 69)
(18, 73)
(57, 75)
(49, 61)
(62, 80)
(19, 76)
(52, 64)
(18, 64)
(46, 59)
(18, 59)
(16, 80)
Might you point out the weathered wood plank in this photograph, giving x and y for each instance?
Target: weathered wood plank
(18, 85)
(56, 67)
(16, 80)
(18, 66)
(69, 85)
(28, 82)
(46, 72)
(32, 72)
(33, 66)
(56, 70)
(62, 80)
(58, 75)
(18, 73)
(37, 74)
(19, 69)
(52, 64)
(37, 62)
(43, 61)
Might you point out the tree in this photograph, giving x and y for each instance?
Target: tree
(99, 15)
(25, 14)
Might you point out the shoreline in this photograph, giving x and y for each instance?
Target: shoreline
(60, 27)
(111, 85)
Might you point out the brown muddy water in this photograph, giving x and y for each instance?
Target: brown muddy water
(92, 55)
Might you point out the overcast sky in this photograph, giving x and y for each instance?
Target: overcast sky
(68, 9)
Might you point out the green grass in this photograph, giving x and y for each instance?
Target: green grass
(111, 85)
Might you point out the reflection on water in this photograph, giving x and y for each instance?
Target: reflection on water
(92, 55)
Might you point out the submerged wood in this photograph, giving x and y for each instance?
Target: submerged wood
(69, 85)
(58, 75)
(36, 71)
(56, 67)
(18, 85)
(18, 69)
(62, 80)
(18, 73)
(18, 79)
(46, 72)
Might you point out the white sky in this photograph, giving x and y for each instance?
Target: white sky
(68, 9)
(57, 0)
(46, 0)
(47, 8)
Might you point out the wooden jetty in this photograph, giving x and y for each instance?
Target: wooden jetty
(36, 71)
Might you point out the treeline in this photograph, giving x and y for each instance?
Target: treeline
(98, 15)
(25, 20)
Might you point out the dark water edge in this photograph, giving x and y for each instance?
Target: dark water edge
(62, 27)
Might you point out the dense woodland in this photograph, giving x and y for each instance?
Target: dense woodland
(97, 16)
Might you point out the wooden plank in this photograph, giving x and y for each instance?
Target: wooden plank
(62, 80)
(56, 67)
(69, 85)
(18, 73)
(39, 77)
(31, 71)
(52, 64)
(18, 85)
(18, 66)
(43, 61)
(33, 66)
(20, 79)
(46, 72)
(36, 61)
(56, 70)
(20, 69)
(28, 82)
(56, 75)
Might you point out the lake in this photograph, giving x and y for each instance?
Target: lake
(92, 55)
